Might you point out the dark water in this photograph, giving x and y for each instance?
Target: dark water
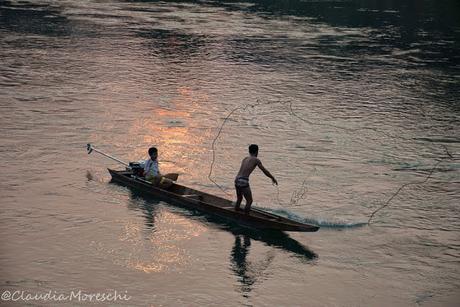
(351, 102)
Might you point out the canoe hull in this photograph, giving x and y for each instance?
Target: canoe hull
(211, 204)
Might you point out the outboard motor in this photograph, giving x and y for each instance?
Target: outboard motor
(136, 168)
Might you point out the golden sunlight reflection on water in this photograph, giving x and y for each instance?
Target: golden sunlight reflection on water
(177, 131)
(152, 250)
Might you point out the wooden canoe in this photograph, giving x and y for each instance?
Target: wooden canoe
(211, 204)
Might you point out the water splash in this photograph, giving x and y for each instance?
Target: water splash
(324, 223)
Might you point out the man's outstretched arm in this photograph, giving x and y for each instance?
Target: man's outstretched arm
(266, 172)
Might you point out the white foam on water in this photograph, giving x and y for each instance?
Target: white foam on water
(322, 222)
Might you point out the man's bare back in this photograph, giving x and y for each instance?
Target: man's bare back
(247, 166)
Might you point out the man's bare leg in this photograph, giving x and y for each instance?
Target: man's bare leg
(239, 199)
(248, 196)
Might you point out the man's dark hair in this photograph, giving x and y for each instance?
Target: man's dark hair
(253, 149)
(152, 150)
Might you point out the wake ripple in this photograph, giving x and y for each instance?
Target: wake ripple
(324, 223)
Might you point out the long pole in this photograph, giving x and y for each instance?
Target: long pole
(90, 149)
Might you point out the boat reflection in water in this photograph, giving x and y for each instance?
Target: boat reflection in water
(277, 239)
(248, 272)
(149, 209)
(273, 238)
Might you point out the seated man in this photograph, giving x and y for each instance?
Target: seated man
(152, 171)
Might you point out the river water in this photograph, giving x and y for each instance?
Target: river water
(355, 107)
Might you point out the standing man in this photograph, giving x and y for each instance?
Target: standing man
(242, 179)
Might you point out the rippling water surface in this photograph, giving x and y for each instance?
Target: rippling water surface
(353, 104)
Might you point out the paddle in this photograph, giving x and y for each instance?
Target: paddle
(90, 148)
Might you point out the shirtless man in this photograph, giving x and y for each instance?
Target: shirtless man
(242, 179)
